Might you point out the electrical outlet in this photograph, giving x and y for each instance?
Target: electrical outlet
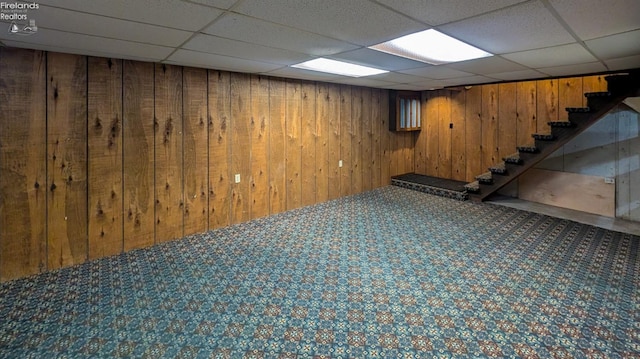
(609, 180)
(237, 178)
(340, 163)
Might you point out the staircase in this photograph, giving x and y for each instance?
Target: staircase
(580, 118)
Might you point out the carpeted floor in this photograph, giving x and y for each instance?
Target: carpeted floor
(390, 273)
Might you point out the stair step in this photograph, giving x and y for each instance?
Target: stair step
(543, 136)
(485, 178)
(577, 109)
(528, 149)
(473, 187)
(499, 169)
(621, 83)
(513, 159)
(561, 124)
(597, 94)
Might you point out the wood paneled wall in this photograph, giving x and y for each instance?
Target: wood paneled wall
(465, 132)
(100, 156)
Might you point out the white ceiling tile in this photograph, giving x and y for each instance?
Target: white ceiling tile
(522, 27)
(291, 72)
(615, 46)
(552, 56)
(429, 84)
(358, 21)
(219, 62)
(518, 75)
(247, 29)
(76, 51)
(436, 72)
(82, 23)
(364, 81)
(469, 80)
(377, 59)
(406, 87)
(578, 69)
(396, 77)
(597, 18)
(624, 63)
(77, 43)
(437, 12)
(220, 4)
(217, 45)
(487, 65)
(168, 13)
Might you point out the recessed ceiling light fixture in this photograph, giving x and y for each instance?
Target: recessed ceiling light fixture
(338, 67)
(432, 47)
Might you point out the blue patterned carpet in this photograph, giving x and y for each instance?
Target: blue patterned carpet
(390, 273)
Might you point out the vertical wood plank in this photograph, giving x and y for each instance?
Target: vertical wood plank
(473, 133)
(367, 137)
(526, 100)
(547, 104)
(356, 140)
(308, 144)
(507, 120)
(219, 149)
(345, 140)
(422, 137)
(376, 129)
(105, 157)
(138, 152)
(277, 138)
(595, 83)
(67, 160)
(259, 146)
(444, 134)
(293, 148)
(385, 139)
(569, 95)
(196, 151)
(433, 138)
(323, 133)
(410, 142)
(333, 131)
(458, 156)
(168, 133)
(22, 173)
(490, 155)
(241, 150)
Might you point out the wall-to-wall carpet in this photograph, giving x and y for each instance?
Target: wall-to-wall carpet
(386, 273)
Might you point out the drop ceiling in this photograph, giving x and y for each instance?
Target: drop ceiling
(530, 39)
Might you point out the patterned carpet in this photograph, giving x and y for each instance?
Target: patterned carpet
(390, 273)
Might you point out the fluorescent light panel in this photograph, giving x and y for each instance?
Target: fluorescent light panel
(338, 67)
(432, 47)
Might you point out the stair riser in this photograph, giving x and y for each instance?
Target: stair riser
(597, 102)
(620, 84)
(577, 117)
(561, 132)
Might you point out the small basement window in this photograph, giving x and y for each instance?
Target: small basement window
(404, 111)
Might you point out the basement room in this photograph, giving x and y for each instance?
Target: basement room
(320, 179)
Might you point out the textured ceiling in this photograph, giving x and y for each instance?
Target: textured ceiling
(530, 39)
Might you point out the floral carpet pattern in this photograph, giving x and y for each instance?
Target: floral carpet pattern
(390, 273)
